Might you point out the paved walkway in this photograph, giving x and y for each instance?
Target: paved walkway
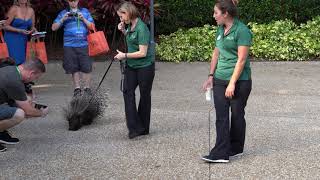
(283, 129)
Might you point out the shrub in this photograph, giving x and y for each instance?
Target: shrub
(311, 36)
(283, 40)
(280, 40)
(277, 41)
(187, 45)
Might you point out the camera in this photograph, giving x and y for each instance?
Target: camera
(28, 87)
(73, 14)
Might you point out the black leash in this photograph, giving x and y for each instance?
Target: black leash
(122, 69)
(123, 64)
(102, 79)
(104, 76)
(96, 90)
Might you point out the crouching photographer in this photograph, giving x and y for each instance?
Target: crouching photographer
(14, 104)
(28, 86)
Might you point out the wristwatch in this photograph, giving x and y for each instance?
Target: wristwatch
(210, 75)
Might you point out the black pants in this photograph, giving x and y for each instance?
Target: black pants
(230, 138)
(138, 120)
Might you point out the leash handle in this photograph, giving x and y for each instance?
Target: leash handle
(122, 69)
(123, 63)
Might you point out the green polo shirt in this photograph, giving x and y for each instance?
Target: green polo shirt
(139, 36)
(239, 35)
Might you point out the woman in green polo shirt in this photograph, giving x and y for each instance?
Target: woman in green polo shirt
(139, 70)
(230, 76)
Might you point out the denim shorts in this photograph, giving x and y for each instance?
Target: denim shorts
(76, 60)
(6, 111)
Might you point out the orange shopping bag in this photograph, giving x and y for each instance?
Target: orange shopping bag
(4, 53)
(97, 42)
(37, 48)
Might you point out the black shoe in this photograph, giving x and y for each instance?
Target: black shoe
(2, 148)
(5, 138)
(77, 92)
(235, 154)
(133, 135)
(88, 91)
(210, 159)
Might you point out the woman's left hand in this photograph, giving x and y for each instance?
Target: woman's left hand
(230, 90)
(120, 55)
(34, 30)
(2, 23)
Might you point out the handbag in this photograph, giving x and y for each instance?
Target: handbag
(97, 42)
(4, 53)
(37, 48)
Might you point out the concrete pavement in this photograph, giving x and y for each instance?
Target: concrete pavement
(283, 129)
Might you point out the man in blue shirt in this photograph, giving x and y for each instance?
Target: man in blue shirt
(76, 22)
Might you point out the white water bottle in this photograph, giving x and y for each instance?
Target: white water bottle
(209, 94)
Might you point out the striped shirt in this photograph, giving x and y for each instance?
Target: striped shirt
(75, 30)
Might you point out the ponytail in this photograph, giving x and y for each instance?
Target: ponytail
(235, 2)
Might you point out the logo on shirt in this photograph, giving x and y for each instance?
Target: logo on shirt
(219, 37)
(230, 38)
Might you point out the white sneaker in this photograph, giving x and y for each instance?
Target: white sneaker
(212, 160)
(236, 155)
(2, 148)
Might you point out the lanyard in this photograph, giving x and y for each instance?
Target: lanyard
(78, 22)
(18, 71)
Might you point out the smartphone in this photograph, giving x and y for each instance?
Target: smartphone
(38, 33)
(39, 106)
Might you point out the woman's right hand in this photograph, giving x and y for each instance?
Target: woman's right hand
(207, 83)
(44, 111)
(121, 26)
(65, 17)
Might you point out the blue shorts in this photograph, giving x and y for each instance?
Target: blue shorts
(7, 112)
(76, 60)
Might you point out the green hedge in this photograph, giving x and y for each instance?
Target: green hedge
(265, 11)
(280, 40)
(176, 14)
